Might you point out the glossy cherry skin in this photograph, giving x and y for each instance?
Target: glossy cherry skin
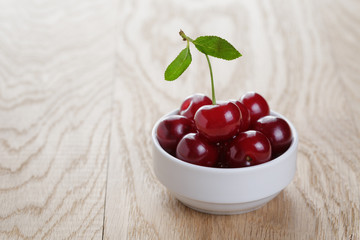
(245, 113)
(194, 149)
(192, 103)
(248, 149)
(218, 122)
(171, 129)
(257, 105)
(277, 130)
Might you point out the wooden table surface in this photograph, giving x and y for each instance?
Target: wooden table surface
(81, 86)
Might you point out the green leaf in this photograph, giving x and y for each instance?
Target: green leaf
(179, 65)
(216, 47)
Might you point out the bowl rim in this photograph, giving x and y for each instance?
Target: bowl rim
(215, 170)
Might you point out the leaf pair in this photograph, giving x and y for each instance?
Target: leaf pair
(209, 45)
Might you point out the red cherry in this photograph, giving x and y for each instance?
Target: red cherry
(245, 113)
(194, 149)
(256, 104)
(171, 129)
(192, 103)
(218, 122)
(248, 149)
(277, 130)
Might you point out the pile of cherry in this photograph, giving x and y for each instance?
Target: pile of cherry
(236, 133)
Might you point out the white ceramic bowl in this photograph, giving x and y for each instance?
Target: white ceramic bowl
(224, 190)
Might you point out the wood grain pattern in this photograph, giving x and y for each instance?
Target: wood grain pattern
(81, 85)
(56, 80)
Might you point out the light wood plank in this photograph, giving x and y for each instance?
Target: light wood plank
(302, 56)
(81, 85)
(56, 77)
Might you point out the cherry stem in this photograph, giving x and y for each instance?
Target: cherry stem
(186, 38)
(212, 81)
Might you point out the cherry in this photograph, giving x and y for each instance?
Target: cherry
(256, 104)
(218, 122)
(248, 149)
(192, 148)
(192, 103)
(277, 130)
(245, 113)
(171, 129)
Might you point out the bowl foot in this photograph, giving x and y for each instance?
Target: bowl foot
(224, 208)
